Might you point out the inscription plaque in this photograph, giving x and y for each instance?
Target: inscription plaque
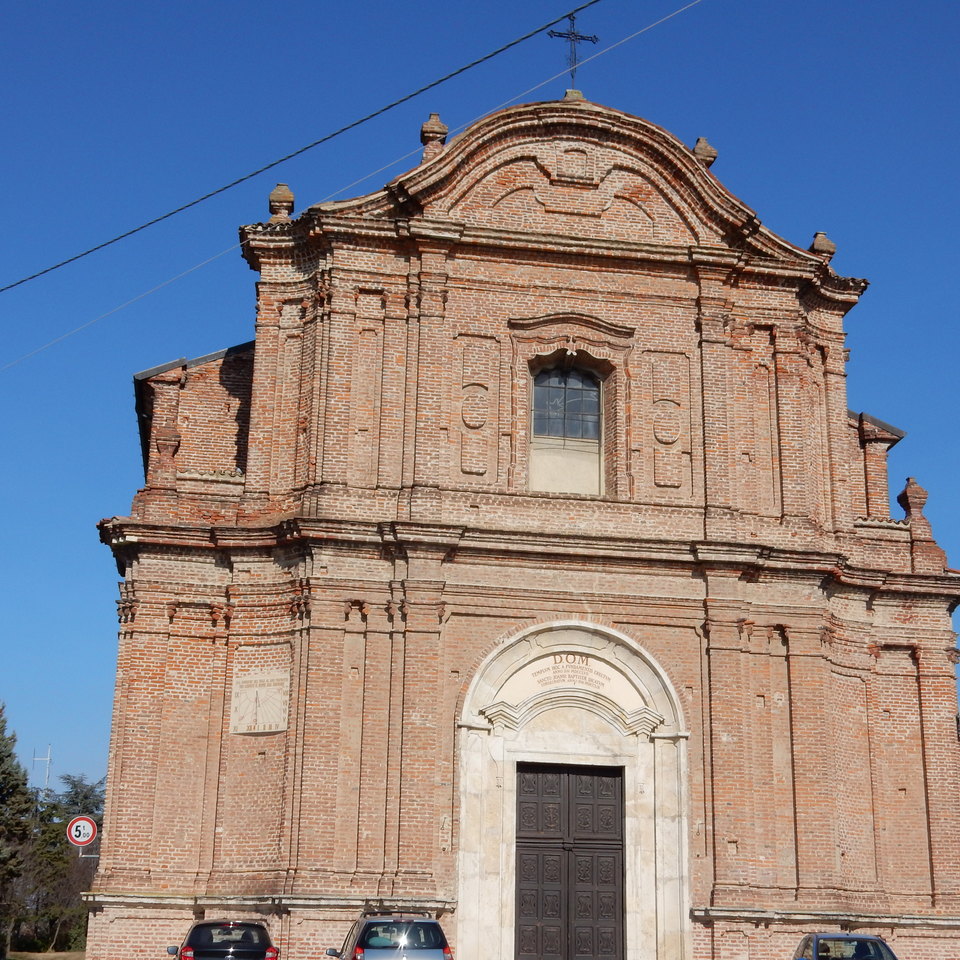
(571, 669)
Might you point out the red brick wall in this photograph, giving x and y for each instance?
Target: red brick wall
(348, 501)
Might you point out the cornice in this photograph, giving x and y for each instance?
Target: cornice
(352, 228)
(828, 290)
(825, 919)
(262, 904)
(298, 529)
(818, 286)
(946, 584)
(272, 239)
(604, 327)
(758, 564)
(122, 532)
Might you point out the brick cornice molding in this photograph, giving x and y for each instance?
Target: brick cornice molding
(262, 904)
(572, 319)
(761, 564)
(826, 919)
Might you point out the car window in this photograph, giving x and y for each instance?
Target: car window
(408, 934)
(228, 934)
(852, 948)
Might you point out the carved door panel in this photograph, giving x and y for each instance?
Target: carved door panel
(569, 863)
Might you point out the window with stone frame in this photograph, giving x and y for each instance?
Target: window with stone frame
(566, 431)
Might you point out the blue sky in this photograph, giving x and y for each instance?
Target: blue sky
(832, 115)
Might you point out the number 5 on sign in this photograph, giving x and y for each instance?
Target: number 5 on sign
(81, 831)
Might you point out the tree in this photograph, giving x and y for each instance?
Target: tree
(16, 823)
(52, 914)
(81, 798)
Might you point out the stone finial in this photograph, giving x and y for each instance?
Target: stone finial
(572, 94)
(926, 556)
(912, 498)
(704, 152)
(281, 202)
(433, 135)
(823, 246)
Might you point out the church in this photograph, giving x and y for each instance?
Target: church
(529, 568)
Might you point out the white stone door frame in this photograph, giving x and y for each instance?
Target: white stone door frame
(573, 693)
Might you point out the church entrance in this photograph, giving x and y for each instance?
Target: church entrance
(573, 833)
(569, 862)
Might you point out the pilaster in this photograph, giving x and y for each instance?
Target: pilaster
(937, 660)
(714, 308)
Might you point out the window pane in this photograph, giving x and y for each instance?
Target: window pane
(549, 378)
(566, 403)
(591, 428)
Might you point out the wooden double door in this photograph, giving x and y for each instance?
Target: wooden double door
(569, 863)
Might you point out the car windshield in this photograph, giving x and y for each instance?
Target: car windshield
(228, 935)
(406, 934)
(852, 948)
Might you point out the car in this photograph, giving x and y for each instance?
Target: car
(843, 946)
(382, 936)
(226, 940)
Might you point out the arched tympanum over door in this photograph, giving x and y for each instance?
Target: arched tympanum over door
(558, 709)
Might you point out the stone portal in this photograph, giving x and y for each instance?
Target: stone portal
(555, 704)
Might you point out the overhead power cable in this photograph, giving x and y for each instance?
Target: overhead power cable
(297, 153)
(348, 186)
(515, 97)
(117, 309)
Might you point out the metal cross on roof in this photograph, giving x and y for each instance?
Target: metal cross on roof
(574, 39)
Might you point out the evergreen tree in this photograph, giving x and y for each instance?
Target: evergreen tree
(51, 914)
(16, 816)
(80, 798)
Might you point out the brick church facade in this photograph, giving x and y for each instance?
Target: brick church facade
(529, 567)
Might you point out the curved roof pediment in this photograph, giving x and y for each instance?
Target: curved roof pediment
(575, 168)
(574, 172)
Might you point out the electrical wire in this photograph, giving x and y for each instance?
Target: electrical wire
(297, 153)
(342, 189)
(524, 93)
(117, 309)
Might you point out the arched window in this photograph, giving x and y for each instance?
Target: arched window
(566, 428)
(566, 403)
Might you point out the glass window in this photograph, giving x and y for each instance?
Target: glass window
(566, 404)
(227, 934)
(853, 948)
(397, 934)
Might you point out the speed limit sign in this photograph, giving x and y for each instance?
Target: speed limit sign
(81, 831)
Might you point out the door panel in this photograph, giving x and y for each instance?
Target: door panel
(541, 918)
(569, 863)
